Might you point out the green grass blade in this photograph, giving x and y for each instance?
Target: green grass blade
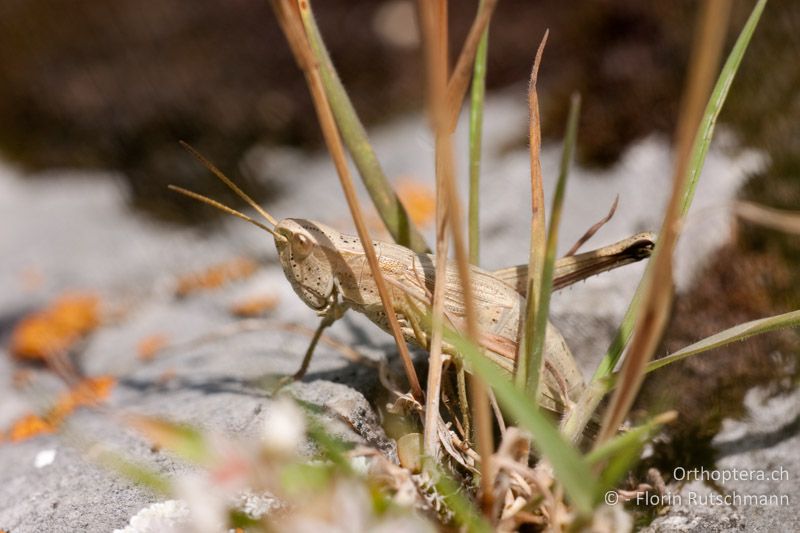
(730, 335)
(466, 514)
(536, 323)
(138, 474)
(718, 96)
(622, 451)
(332, 449)
(386, 202)
(736, 333)
(186, 441)
(699, 152)
(477, 97)
(571, 470)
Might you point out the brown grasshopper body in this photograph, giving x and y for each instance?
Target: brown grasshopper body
(329, 272)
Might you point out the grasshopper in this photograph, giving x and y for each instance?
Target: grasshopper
(329, 272)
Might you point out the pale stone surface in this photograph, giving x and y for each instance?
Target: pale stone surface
(762, 445)
(77, 233)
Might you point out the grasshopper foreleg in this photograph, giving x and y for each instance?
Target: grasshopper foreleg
(330, 314)
(327, 320)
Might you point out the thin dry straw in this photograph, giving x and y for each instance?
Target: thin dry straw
(434, 17)
(290, 18)
(391, 210)
(658, 283)
(538, 239)
(594, 229)
(436, 67)
(459, 80)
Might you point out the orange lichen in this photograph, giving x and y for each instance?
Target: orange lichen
(419, 200)
(148, 347)
(30, 426)
(254, 306)
(216, 276)
(89, 392)
(56, 328)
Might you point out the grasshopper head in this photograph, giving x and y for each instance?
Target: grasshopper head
(304, 249)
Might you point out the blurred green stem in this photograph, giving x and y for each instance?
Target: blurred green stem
(477, 94)
(386, 202)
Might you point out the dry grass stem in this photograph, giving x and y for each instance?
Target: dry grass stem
(538, 244)
(291, 22)
(705, 58)
(436, 55)
(434, 17)
(777, 219)
(594, 229)
(459, 80)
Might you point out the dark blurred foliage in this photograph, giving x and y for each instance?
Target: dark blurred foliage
(87, 83)
(115, 84)
(90, 83)
(757, 274)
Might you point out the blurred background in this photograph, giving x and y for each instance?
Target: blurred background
(92, 85)
(112, 85)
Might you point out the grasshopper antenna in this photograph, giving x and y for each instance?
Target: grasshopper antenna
(227, 181)
(225, 208)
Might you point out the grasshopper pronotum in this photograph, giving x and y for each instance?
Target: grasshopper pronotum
(329, 272)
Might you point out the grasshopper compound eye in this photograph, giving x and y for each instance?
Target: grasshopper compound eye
(301, 246)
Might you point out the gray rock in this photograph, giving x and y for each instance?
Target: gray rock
(759, 455)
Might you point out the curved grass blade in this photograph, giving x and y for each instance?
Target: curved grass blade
(388, 205)
(730, 335)
(538, 232)
(622, 451)
(536, 322)
(699, 151)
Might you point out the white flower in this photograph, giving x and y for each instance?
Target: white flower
(44, 458)
(207, 503)
(284, 427)
(171, 516)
